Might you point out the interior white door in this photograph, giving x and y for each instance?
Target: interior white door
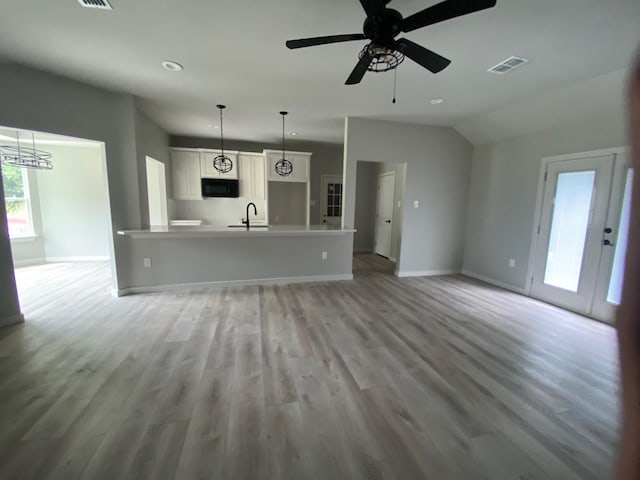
(331, 201)
(384, 213)
(574, 216)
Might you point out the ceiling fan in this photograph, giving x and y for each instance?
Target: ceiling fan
(383, 24)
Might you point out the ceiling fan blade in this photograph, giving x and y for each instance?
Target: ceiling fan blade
(444, 11)
(373, 7)
(311, 42)
(359, 70)
(430, 60)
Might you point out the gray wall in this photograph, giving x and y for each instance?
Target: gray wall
(74, 203)
(326, 159)
(365, 214)
(196, 260)
(438, 172)
(504, 187)
(151, 141)
(35, 100)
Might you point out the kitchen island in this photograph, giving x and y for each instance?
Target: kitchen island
(184, 258)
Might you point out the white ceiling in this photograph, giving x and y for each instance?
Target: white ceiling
(233, 52)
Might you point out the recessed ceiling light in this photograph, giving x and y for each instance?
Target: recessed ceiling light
(172, 66)
(437, 101)
(293, 134)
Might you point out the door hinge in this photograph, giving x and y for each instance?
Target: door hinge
(546, 174)
(538, 229)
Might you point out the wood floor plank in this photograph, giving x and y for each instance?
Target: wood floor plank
(376, 378)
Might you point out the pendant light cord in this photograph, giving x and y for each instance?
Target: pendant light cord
(283, 155)
(221, 133)
(395, 77)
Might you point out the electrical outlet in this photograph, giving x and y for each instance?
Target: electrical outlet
(147, 263)
(399, 203)
(324, 255)
(416, 204)
(512, 263)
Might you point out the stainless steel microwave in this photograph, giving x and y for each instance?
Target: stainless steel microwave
(219, 187)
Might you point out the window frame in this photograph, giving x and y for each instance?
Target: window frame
(30, 234)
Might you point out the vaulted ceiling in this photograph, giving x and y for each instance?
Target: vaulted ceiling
(233, 53)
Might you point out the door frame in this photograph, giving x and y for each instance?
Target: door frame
(537, 218)
(324, 180)
(375, 225)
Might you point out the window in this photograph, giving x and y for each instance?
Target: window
(16, 199)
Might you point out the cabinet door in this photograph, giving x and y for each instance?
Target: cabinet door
(251, 176)
(209, 171)
(185, 174)
(299, 162)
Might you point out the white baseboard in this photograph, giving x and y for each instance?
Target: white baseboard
(12, 320)
(425, 273)
(31, 261)
(98, 258)
(233, 283)
(496, 283)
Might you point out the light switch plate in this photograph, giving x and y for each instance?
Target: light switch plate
(147, 263)
(416, 204)
(512, 263)
(324, 255)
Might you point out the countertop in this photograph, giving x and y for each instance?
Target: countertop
(213, 231)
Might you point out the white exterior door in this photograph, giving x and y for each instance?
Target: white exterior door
(582, 235)
(331, 201)
(384, 213)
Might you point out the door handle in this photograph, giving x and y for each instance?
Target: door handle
(607, 243)
(608, 230)
(387, 221)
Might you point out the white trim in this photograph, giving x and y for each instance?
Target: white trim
(23, 238)
(231, 283)
(426, 273)
(12, 320)
(98, 258)
(393, 259)
(491, 281)
(31, 261)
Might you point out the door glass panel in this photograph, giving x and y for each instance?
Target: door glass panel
(614, 294)
(569, 224)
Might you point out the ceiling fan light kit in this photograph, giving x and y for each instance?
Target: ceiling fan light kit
(383, 25)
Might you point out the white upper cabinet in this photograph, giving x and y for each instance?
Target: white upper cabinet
(300, 162)
(185, 174)
(207, 170)
(252, 175)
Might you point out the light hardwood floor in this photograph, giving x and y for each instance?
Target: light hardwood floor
(438, 378)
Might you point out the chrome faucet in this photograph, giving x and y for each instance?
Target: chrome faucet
(255, 212)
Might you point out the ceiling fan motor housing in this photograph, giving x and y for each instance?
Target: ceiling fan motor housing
(383, 29)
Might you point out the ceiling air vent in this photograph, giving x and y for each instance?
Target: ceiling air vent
(509, 64)
(102, 4)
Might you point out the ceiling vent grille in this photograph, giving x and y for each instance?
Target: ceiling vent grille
(101, 4)
(508, 65)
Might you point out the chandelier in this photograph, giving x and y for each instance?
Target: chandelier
(222, 163)
(24, 156)
(284, 167)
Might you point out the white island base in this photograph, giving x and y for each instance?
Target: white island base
(187, 258)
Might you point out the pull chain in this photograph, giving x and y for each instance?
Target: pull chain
(395, 77)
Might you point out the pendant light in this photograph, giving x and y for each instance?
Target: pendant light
(222, 163)
(284, 167)
(24, 156)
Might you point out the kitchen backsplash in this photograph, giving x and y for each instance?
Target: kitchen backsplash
(216, 211)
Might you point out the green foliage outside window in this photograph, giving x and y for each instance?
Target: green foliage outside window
(13, 187)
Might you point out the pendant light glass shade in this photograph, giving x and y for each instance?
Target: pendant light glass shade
(28, 157)
(283, 167)
(222, 163)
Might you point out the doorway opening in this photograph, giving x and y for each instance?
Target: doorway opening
(59, 220)
(378, 214)
(581, 235)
